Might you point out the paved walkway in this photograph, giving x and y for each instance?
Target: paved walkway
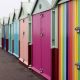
(11, 69)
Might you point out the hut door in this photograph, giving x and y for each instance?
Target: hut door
(45, 43)
(10, 37)
(36, 40)
(4, 38)
(41, 44)
(25, 42)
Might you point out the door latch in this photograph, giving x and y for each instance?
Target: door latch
(23, 33)
(78, 66)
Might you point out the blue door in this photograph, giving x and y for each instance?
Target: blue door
(4, 38)
(10, 38)
(16, 38)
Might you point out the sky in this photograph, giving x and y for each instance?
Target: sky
(8, 6)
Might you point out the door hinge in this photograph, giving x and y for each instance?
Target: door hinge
(78, 66)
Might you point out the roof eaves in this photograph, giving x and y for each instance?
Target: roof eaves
(34, 6)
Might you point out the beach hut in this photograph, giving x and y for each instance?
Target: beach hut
(45, 40)
(25, 32)
(1, 32)
(69, 39)
(4, 41)
(2, 22)
(6, 33)
(11, 32)
(16, 32)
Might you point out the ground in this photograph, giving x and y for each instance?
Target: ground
(11, 69)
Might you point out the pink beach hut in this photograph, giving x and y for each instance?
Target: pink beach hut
(25, 32)
(45, 40)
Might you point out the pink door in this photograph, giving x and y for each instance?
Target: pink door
(24, 41)
(36, 39)
(41, 43)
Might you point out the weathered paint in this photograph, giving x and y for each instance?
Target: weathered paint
(68, 21)
(24, 40)
(16, 38)
(41, 57)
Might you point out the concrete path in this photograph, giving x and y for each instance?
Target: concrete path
(11, 69)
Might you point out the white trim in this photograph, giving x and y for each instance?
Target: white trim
(26, 63)
(52, 46)
(31, 30)
(56, 28)
(0, 45)
(15, 55)
(21, 59)
(51, 28)
(10, 52)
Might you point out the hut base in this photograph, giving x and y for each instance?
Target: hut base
(12, 46)
(7, 45)
(29, 54)
(55, 64)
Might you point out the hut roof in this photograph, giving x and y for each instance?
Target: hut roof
(26, 8)
(41, 5)
(6, 20)
(11, 18)
(1, 21)
(16, 14)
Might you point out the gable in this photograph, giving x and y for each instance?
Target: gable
(42, 5)
(23, 10)
(16, 14)
(1, 21)
(11, 18)
(56, 2)
(23, 14)
(6, 20)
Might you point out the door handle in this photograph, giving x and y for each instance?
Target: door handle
(78, 66)
(41, 34)
(53, 40)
